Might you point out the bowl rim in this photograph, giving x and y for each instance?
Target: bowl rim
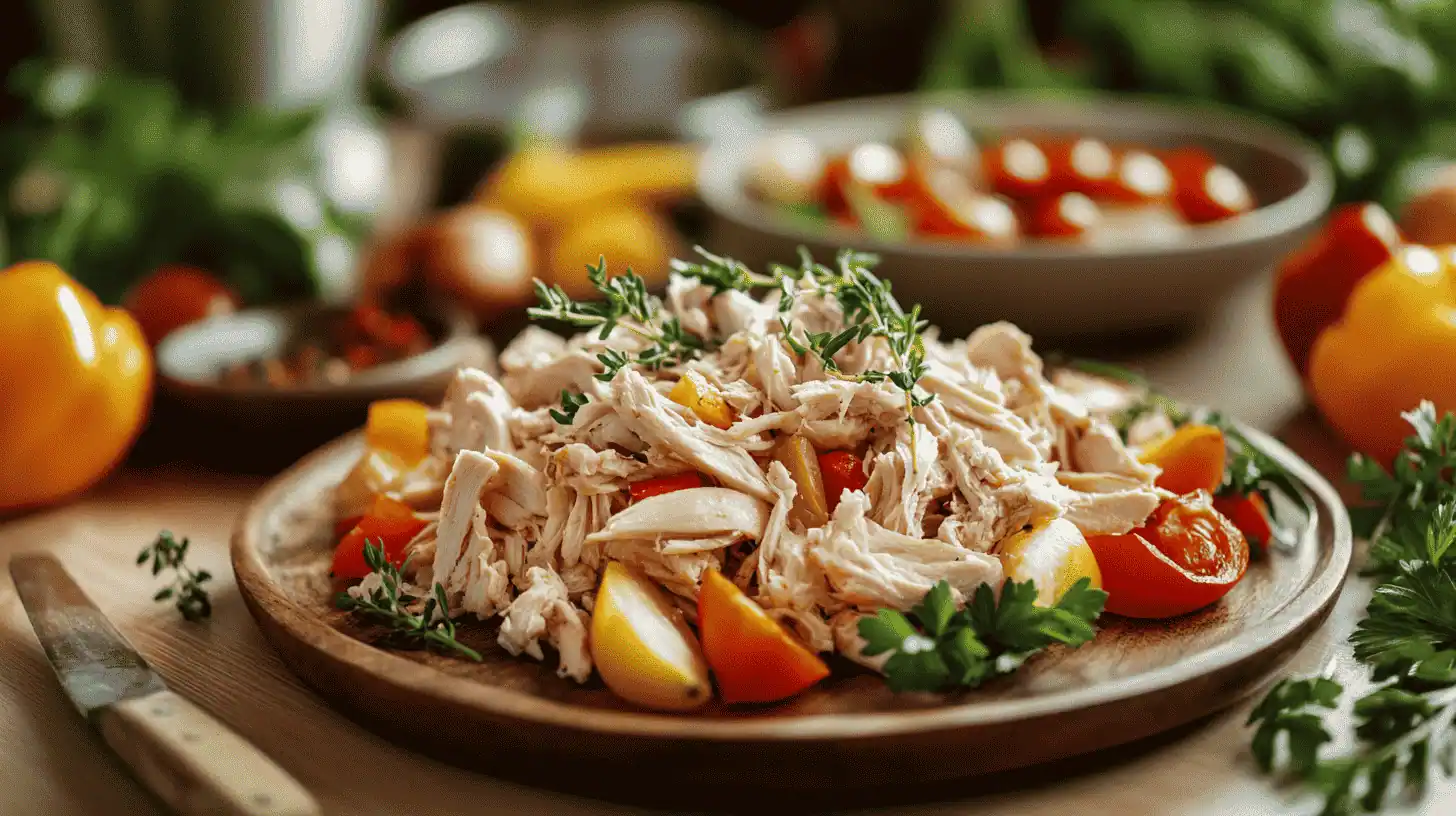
(459, 335)
(722, 160)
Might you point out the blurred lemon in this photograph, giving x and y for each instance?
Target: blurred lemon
(1054, 554)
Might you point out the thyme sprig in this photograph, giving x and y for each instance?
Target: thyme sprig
(186, 588)
(625, 302)
(388, 606)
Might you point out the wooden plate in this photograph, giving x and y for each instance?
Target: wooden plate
(515, 717)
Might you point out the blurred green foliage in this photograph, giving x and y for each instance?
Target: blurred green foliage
(1373, 81)
(110, 175)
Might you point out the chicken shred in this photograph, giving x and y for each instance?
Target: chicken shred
(525, 512)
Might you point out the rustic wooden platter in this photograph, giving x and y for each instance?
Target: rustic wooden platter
(515, 718)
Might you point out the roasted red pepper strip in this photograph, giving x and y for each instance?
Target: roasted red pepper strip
(665, 484)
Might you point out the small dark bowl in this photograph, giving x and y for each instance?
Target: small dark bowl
(256, 427)
(1047, 288)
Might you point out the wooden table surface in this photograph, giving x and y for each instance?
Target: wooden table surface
(54, 765)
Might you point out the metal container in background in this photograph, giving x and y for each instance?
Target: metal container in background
(222, 55)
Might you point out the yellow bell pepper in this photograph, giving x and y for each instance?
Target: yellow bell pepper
(1392, 347)
(75, 385)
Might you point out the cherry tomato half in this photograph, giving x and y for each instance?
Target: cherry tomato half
(842, 471)
(1017, 168)
(1187, 556)
(947, 207)
(1069, 215)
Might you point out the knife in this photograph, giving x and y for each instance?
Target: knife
(191, 761)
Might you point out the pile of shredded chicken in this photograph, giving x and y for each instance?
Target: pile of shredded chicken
(525, 512)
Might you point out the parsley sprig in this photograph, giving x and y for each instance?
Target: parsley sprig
(1407, 639)
(186, 588)
(387, 605)
(944, 648)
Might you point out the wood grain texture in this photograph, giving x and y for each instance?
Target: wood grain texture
(54, 765)
(516, 717)
(195, 764)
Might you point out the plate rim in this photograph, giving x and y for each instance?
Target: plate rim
(1312, 602)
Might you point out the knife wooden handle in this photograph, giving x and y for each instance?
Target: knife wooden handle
(197, 765)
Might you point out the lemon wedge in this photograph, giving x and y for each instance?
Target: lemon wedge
(643, 648)
(1054, 554)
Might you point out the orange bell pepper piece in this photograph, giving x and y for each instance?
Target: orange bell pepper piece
(389, 524)
(1192, 458)
(77, 384)
(401, 427)
(1390, 350)
(754, 658)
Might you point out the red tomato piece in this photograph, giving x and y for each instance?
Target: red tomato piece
(1084, 166)
(1140, 177)
(874, 167)
(343, 526)
(842, 471)
(392, 531)
(947, 207)
(1069, 215)
(1017, 168)
(1251, 515)
(1205, 190)
(754, 659)
(1186, 557)
(665, 484)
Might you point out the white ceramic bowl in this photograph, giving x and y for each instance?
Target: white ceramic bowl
(1049, 289)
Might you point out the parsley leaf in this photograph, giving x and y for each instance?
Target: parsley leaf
(945, 648)
(1407, 640)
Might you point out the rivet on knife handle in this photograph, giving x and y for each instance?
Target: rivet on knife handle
(195, 764)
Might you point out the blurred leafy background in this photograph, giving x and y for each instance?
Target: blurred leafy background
(1373, 81)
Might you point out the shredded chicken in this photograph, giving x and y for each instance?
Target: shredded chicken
(525, 511)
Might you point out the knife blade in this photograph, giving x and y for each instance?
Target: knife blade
(193, 762)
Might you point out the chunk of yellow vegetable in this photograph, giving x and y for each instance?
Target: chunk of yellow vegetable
(400, 427)
(694, 392)
(797, 455)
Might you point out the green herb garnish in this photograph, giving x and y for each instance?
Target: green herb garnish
(570, 404)
(945, 648)
(1407, 639)
(625, 302)
(186, 588)
(388, 606)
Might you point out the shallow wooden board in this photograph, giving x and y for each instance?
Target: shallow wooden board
(515, 718)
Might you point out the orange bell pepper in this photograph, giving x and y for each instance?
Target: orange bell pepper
(401, 427)
(753, 657)
(77, 384)
(1390, 350)
(389, 524)
(1192, 458)
(1184, 558)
